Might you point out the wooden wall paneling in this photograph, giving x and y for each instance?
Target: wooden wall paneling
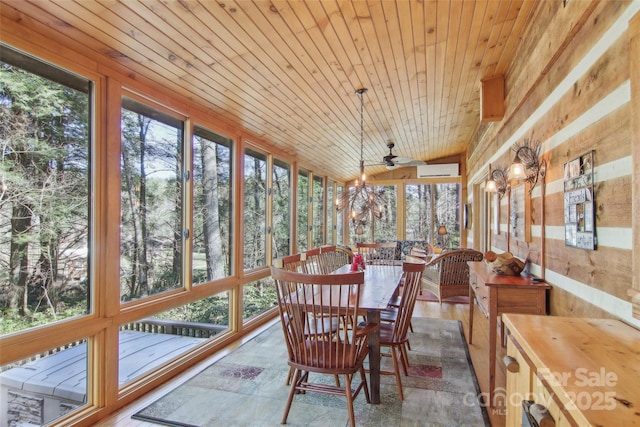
(634, 70)
(563, 303)
(607, 269)
(613, 207)
(542, 50)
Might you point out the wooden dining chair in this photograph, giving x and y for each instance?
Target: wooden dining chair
(395, 335)
(378, 253)
(300, 263)
(315, 263)
(295, 262)
(334, 257)
(304, 298)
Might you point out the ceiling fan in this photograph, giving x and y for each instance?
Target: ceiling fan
(391, 161)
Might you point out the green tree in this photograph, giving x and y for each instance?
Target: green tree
(44, 190)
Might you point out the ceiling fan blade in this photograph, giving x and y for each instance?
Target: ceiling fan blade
(415, 163)
(402, 160)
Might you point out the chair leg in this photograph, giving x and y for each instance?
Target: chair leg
(396, 369)
(349, 396)
(363, 378)
(289, 376)
(292, 391)
(405, 359)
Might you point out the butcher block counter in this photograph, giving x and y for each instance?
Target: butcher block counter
(577, 371)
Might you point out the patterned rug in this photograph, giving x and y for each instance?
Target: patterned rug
(247, 388)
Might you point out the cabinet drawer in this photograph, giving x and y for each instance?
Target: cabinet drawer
(482, 296)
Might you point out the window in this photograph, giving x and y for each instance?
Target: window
(158, 339)
(418, 212)
(330, 208)
(151, 202)
(447, 213)
(386, 227)
(255, 209)
(33, 391)
(303, 211)
(318, 211)
(45, 171)
(340, 233)
(212, 215)
(258, 297)
(281, 210)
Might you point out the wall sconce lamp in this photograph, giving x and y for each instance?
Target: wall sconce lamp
(526, 166)
(497, 182)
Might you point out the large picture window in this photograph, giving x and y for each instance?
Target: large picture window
(212, 215)
(433, 213)
(45, 169)
(151, 202)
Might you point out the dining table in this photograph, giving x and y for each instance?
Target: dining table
(380, 285)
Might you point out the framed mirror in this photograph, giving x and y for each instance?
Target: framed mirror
(579, 204)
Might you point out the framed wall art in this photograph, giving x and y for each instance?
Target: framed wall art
(579, 217)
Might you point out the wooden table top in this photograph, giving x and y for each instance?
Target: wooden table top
(593, 362)
(380, 283)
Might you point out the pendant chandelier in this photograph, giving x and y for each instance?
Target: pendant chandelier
(362, 201)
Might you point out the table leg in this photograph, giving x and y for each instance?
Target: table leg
(471, 304)
(373, 316)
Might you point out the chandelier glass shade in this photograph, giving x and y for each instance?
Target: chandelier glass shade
(360, 200)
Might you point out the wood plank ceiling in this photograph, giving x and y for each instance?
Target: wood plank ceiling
(287, 71)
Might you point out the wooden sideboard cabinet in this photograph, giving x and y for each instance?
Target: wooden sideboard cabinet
(577, 372)
(497, 294)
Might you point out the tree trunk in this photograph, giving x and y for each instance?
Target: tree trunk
(19, 258)
(143, 265)
(211, 219)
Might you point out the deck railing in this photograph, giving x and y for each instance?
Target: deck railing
(150, 325)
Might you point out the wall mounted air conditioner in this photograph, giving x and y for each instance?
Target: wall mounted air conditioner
(437, 170)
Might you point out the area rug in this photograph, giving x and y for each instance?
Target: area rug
(247, 388)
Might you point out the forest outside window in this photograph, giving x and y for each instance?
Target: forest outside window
(318, 211)
(151, 203)
(430, 206)
(303, 211)
(330, 209)
(386, 225)
(255, 209)
(45, 171)
(281, 209)
(212, 207)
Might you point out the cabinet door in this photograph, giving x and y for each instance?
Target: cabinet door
(519, 385)
(543, 397)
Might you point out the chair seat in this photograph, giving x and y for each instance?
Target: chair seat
(389, 314)
(323, 326)
(387, 338)
(328, 356)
